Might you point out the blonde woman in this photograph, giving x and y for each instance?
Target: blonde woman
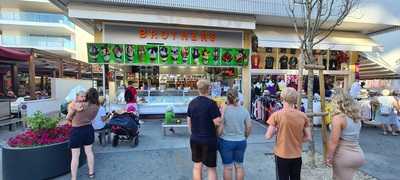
(385, 113)
(344, 152)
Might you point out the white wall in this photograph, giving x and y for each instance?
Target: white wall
(59, 90)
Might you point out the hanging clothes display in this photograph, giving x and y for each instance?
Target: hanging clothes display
(269, 62)
(283, 61)
(255, 61)
(271, 87)
(281, 85)
(293, 62)
(292, 80)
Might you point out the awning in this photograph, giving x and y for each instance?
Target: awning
(373, 66)
(343, 41)
(12, 54)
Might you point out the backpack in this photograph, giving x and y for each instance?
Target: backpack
(385, 110)
(128, 95)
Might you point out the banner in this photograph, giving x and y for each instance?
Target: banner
(131, 54)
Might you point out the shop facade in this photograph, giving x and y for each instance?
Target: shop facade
(165, 62)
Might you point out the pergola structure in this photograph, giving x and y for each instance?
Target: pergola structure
(38, 62)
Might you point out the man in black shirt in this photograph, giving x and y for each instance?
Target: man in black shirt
(203, 118)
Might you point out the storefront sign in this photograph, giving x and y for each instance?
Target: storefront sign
(100, 53)
(171, 36)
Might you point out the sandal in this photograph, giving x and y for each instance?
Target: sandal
(91, 176)
(385, 133)
(394, 134)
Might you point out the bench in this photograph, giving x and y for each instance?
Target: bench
(164, 127)
(11, 123)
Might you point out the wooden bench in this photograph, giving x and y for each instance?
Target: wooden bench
(164, 127)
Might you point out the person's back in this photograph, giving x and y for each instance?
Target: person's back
(130, 94)
(234, 123)
(290, 124)
(85, 116)
(202, 110)
(98, 122)
(352, 131)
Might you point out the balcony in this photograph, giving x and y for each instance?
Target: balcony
(54, 44)
(34, 21)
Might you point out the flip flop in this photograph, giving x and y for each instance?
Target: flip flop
(91, 176)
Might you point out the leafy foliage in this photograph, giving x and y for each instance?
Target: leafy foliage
(39, 121)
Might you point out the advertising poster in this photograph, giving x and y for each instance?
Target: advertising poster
(151, 54)
(165, 52)
(96, 52)
(117, 54)
(242, 57)
(211, 56)
(228, 56)
(176, 55)
(131, 54)
(186, 55)
(197, 57)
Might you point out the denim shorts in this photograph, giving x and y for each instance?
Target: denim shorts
(232, 152)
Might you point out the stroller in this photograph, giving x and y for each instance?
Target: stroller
(125, 128)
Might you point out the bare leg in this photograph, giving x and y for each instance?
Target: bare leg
(75, 162)
(197, 171)
(239, 171)
(384, 129)
(212, 173)
(90, 158)
(228, 172)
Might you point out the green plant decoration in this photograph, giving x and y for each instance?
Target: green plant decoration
(39, 121)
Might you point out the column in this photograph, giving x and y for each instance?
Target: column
(246, 76)
(79, 74)
(32, 74)
(61, 70)
(15, 79)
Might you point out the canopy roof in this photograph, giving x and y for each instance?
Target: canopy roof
(10, 54)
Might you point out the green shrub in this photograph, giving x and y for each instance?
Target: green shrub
(39, 121)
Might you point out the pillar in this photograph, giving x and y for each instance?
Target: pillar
(32, 74)
(79, 74)
(61, 70)
(246, 74)
(15, 79)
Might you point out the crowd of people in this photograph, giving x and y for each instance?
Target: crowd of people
(226, 131)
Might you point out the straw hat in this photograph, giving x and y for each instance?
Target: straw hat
(385, 92)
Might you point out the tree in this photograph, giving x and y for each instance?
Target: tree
(314, 21)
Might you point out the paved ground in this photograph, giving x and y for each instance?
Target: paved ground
(159, 157)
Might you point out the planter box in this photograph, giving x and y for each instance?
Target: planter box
(42, 162)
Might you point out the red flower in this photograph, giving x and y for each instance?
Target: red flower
(43, 137)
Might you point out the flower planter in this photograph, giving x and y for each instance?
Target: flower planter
(42, 162)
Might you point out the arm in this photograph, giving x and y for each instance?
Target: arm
(248, 127)
(270, 132)
(189, 123)
(220, 128)
(307, 134)
(71, 112)
(337, 125)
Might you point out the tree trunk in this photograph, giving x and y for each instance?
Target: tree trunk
(300, 79)
(324, 131)
(310, 97)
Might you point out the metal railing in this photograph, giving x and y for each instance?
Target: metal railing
(37, 42)
(36, 17)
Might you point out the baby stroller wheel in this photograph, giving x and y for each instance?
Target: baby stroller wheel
(134, 142)
(115, 141)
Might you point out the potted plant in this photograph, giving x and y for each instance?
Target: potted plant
(40, 152)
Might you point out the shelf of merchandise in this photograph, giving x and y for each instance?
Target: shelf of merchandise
(294, 72)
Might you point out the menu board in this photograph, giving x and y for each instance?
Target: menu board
(131, 54)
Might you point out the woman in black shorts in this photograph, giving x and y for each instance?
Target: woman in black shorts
(80, 114)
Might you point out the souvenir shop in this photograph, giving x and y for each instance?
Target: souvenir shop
(164, 63)
(274, 66)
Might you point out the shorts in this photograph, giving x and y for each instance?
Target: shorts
(204, 153)
(232, 152)
(81, 136)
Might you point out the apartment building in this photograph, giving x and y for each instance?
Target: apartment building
(40, 24)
